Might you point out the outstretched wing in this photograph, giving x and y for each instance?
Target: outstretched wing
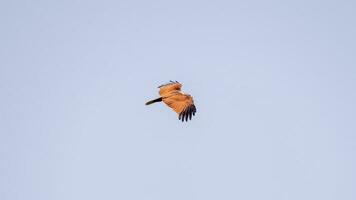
(182, 104)
(165, 89)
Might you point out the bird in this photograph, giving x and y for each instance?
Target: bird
(171, 94)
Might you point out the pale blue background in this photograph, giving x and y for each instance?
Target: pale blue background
(273, 81)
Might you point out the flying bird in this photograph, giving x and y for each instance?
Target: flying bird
(173, 97)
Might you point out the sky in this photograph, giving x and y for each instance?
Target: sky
(273, 82)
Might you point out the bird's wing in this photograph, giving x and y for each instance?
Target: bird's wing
(182, 104)
(168, 88)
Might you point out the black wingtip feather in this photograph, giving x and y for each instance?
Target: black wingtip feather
(187, 113)
(169, 83)
(190, 113)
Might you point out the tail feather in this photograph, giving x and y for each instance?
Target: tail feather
(154, 101)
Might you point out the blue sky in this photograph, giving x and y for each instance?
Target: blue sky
(273, 81)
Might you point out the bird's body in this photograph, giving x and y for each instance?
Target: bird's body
(173, 97)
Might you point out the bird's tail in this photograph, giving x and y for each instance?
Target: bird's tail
(154, 101)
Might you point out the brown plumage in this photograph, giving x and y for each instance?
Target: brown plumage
(173, 97)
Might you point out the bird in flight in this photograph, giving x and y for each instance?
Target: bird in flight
(173, 97)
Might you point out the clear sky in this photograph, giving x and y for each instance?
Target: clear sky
(274, 84)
